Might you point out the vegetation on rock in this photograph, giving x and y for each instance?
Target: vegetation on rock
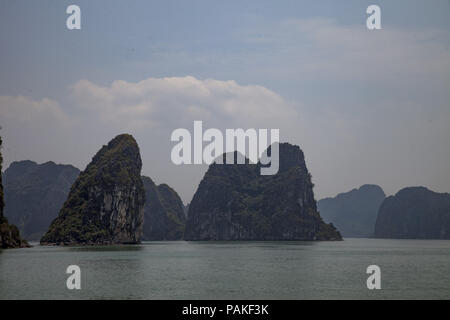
(414, 213)
(105, 204)
(235, 202)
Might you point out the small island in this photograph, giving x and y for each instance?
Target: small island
(235, 202)
(106, 203)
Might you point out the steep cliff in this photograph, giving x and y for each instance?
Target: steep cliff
(9, 234)
(414, 213)
(163, 212)
(186, 210)
(106, 203)
(34, 194)
(353, 213)
(235, 202)
(2, 201)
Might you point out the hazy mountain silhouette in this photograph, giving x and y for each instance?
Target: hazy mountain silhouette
(353, 213)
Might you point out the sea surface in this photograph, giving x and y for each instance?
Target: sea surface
(410, 269)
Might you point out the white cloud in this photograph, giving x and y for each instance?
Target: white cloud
(375, 111)
(35, 129)
(321, 48)
(24, 111)
(375, 102)
(151, 109)
(174, 101)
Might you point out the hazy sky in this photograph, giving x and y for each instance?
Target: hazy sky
(365, 106)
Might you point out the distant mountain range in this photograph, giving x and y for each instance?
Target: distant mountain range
(413, 213)
(106, 204)
(353, 213)
(110, 202)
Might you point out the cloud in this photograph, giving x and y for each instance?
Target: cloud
(23, 111)
(33, 128)
(368, 106)
(375, 103)
(156, 102)
(150, 109)
(320, 48)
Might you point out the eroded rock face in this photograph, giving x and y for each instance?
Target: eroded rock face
(34, 194)
(10, 236)
(234, 202)
(106, 202)
(163, 212)
(414, 213)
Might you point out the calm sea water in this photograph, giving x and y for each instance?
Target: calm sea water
(413, 269)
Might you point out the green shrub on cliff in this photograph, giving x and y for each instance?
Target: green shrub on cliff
(235, 202)
(93, 209)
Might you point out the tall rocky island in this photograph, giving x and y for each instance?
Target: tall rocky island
(9, 234)
(414, 213)
(106, 203)
(35, 193)
(354, 212)
(163, 212)
(235, 202)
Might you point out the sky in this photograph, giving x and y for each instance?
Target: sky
(365, 106)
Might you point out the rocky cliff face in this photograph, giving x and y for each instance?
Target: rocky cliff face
(414, 213)
(163, 212)
(235, 202)
(2, 201)
(106, 203)
(34, 194)
(9, 234)
(186, 210)
(353, 213)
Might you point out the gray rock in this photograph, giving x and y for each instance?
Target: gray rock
(414, 213)
(106, 203)
(235, 202)
(354, 213)
(163, 212)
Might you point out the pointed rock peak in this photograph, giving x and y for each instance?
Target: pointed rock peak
(124, 146)
(122, 140)
(290, 156)
(106, 202)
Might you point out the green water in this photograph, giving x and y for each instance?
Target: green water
(412, 269)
